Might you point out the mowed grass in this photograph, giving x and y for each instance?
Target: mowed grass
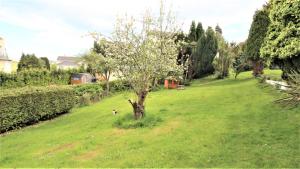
(212, 123)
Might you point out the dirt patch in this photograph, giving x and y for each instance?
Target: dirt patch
(89, 155)
(59, 148)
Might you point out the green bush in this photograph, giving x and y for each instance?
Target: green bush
(36, 77)
(128, 122)
(117, 85)
(88, 93)
(23, 106)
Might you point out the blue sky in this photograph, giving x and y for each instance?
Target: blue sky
(52, 28)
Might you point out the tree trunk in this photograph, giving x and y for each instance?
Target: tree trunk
(258, 67)
(139, 107)
(107, 86)
(107, 77)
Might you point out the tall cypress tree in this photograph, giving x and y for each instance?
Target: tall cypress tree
(206, 50)
(218, 29)
(257, 34)
(199, 31)
(192, 34)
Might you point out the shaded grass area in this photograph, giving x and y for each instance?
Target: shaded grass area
(128, 122)
(212, 123)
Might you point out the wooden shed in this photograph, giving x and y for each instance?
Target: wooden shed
(171, 82)
(82, 78)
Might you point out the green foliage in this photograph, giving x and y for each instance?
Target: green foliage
(29, 61)
(23, 106)
(80, 90)
(222, 61)
(36, 77)
(199, 31)
(195, 33)
(218, 29)
(224, 123)
(239, 63)
(91, 93)
(46, 62)
(192, 34)
(238, 66)
(88, 93)
(128, 122)
(205, 53)
(257, 34)
(117, 85)
(283, 37)
(100, 61)
(282, 43)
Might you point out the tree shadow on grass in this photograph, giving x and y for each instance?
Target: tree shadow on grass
(128, 122)
(221, 82)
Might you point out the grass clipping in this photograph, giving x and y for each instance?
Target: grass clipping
(128, 122)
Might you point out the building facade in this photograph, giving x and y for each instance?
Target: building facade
(5, 62)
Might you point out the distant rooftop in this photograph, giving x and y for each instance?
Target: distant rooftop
(67, 58)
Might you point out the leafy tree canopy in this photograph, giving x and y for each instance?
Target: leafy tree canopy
(283, 37)
(29, 61)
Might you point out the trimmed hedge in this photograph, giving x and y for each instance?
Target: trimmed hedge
(36, 77)
(23, 106)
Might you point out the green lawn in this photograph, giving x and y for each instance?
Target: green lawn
(213, 123)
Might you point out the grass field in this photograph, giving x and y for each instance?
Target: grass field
(212, 123)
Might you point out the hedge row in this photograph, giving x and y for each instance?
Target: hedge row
(28, 105)
(36, 77)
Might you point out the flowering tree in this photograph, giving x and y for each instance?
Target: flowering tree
(145, 50)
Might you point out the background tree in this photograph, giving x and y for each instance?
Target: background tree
(283, 38)
(239, 63)
(99, 62)
(46, 62)
(205, 52)
(187, 49)
(218, 29)
(257, 34)
(146, 53)
(193, 32)
(223, 59)
(29, 61)
(199, 31)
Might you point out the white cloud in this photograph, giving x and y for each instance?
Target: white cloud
(58, 26)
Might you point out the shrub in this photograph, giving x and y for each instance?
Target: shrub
(84, 100)
(117, 85)
(88, 93)
(128, 122)
(28, 105)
